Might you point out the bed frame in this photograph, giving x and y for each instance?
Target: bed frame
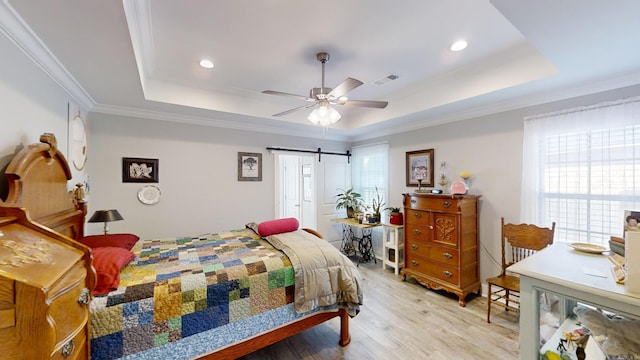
(37, 181)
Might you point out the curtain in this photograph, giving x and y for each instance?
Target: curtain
(581, 169)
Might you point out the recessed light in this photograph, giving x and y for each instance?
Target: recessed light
(207, 64)
(458, 45)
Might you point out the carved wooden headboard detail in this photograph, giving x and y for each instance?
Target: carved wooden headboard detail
(37, 178)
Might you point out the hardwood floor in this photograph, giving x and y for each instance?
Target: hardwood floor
(404, 320)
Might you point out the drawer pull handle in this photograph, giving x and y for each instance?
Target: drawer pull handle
(413, 201)
(414, 246)
(414, 263)
(447, 255)
(68, 348)
(447, 274)
(83, 299)
(417, 215)
(417, 232)
(446, 204)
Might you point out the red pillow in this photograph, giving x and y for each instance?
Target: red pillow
(126, 241)
(278, 226)
(108, 261)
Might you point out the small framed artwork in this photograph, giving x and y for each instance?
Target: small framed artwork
(249, 166)
(420, 168)
(140, 170)
(631, 221)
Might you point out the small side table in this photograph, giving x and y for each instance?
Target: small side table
(395, 242)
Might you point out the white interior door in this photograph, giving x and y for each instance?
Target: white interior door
(291, 170)
(296, 188)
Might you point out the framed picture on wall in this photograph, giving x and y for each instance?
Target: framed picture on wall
(420, 168)
(140, 170)
(631, 221)
(249, 166)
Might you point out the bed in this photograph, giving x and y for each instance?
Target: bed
(220, 295)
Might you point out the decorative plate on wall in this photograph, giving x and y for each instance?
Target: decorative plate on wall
(78, 142)
(149, 194)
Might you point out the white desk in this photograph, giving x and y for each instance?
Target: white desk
(559, 269)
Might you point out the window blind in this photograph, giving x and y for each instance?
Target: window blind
(581, 169)
(369, 171)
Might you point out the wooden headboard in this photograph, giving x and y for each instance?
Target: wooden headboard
(37, 181)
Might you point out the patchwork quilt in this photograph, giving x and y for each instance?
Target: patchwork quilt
(179, 287)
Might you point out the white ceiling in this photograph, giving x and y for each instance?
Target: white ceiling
(140, 57)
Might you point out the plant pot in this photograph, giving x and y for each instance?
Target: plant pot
(395, 218)
(351, 213)
(374, 219)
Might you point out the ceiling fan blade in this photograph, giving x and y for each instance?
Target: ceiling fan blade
(273, 92)
(294, 109)
(344, 87)
(364, 103)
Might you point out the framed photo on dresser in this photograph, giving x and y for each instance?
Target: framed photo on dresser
(420, 168)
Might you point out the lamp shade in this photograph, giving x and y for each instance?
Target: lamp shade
(324, 115)
(105, 216)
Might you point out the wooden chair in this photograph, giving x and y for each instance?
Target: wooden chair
(518, 242)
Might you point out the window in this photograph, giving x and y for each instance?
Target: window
(369, 170)
(581, 169)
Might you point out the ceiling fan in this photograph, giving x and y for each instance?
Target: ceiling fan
(324, 96)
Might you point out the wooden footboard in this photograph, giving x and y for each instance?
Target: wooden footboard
(248, 346)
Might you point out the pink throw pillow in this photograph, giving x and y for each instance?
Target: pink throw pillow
(278, 226)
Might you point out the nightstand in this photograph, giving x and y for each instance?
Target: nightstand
(391, 240)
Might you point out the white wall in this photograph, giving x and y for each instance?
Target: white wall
(31, 103)
(198, 175)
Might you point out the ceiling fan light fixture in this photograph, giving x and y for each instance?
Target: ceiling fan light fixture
(206, 63)
(458, 46)
(324, 116)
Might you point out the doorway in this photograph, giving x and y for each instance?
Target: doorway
(296, 188)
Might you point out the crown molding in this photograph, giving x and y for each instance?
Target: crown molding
(299, 131)
(13, 26)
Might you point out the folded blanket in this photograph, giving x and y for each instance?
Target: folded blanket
(323, 275)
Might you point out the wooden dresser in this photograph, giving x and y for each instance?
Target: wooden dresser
(441, 242)
(45, 283)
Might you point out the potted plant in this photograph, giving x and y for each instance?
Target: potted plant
(348, 200)
(395, 215)
(376, 205)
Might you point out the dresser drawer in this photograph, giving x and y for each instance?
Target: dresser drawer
(73, 349)
(444, 255)
(431, 268)
(418, 232)
(433, 204)
(417, 217)
(66, 311)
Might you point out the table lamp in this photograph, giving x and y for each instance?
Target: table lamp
(106, 216)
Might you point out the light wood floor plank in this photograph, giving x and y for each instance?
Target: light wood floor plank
(404, 320)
